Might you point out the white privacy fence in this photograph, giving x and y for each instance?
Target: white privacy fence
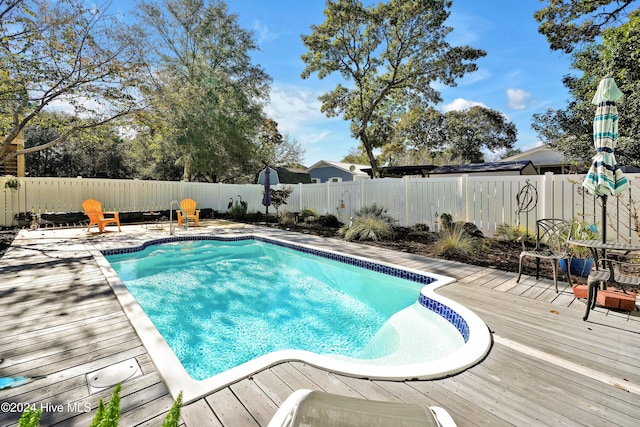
(486, 201)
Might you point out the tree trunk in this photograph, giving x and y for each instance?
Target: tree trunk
(372, 160)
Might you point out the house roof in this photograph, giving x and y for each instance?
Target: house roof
(285, 175)
(293, 176)
(482, 167)
(352, 168)
(399, 171)
(542, 154)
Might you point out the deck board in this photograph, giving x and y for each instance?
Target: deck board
(59, 318)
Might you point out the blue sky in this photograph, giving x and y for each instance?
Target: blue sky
(519, 76)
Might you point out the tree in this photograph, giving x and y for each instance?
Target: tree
(390, 54)
(356, 155)
(207, 96)
(105, 155)
(288, 152)
(455, 136)
(64, 55)
(570, 130)
(471, 130)
(568, 24)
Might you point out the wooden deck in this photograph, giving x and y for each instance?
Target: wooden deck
(59, 319)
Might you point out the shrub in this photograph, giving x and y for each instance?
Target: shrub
(367, 228)
(375, 211)
(287, 218)
(446, 221)
(279, 196)
(455, 241)
(513, 233)
(329, 221)
(106, 415)
(30, 417)
(109, 415)
(306, 213)
(173, 417)
(238, 210)
(421, 227)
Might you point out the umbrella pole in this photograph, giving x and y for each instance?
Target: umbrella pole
(604, 227)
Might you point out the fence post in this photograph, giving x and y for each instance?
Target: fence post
(327, 209)
(546, 195)
(405, 183)
(463, 196)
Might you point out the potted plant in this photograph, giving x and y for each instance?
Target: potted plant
(581, 257)
(11, 182)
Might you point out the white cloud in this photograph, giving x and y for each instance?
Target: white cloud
(518, 98)
(293, 106)
(262, 32)
(467, 29)
(460, 104)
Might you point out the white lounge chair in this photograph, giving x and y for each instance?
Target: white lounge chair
(315, 408)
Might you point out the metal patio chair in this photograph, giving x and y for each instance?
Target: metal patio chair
(552, 237)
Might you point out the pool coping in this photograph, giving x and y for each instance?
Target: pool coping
(477, 345)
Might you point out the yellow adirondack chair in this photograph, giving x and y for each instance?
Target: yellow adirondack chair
(189, 208)
(93, 209)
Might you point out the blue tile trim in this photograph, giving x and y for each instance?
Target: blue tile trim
(448, 313)
(443, 310)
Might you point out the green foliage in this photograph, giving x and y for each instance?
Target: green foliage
(356, 156)
(375, 211)
(424, 228)
(287, 218)
(207, 97)
(471, 130)
(367, 228)
(370, 223)
(329, 221)
(513, 233)
(106, 415)
(455, 242)
(390, 54)
(66, 51)
(173, 417)
(279, 196)
(570, 130)
(446, 221)
(30, 418)
(238, 210)
(11, 182)
(109, 415)
(571, 23)
(98, 153)
(305, 213)
(429, 136)
(582, 230)
(308, 213)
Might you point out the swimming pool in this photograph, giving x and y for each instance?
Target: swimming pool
(393, 342)
(219, 304)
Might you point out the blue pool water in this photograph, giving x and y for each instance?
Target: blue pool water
(219, 304)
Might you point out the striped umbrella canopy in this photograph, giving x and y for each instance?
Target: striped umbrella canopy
(605, 177)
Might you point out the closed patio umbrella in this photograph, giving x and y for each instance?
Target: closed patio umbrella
(605, 177)
(266, 198)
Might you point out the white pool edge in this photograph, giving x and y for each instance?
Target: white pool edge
(177, 379)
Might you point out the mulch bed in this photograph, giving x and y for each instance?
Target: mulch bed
(501, 255)
(7, 234)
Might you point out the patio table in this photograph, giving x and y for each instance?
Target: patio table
(598, 245)
(604, 276)
(152, 218)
